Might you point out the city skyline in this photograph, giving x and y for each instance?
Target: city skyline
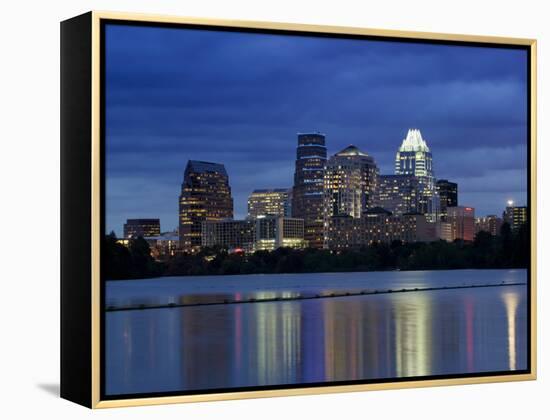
(352, 148)
(477, 135)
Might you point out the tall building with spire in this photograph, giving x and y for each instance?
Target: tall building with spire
(205, 196)
(414, 158)
(307, 193)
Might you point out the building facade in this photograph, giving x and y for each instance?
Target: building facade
(515, 216)
(164, 245)
(399, 194)
(445, 231)
(277, 232)
(205, 196)
(229, 234)
(490, 224)
(350, 182)
(250, 235)
(460, 224)
(378, 226)
(307, 193)
(134, 228)
(270, 202)
(448, 195)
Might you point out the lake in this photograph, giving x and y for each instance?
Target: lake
(192, 341)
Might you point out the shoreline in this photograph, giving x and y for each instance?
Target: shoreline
(313, 272)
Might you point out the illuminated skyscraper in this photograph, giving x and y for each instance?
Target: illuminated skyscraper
(415, 158)
(350, 183)
(205, 195)
(307, 194)
(515, 216)
(269, 202)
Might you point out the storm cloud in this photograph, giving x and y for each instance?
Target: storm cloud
(174, 94)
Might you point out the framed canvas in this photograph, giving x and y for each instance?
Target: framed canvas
(255, 209)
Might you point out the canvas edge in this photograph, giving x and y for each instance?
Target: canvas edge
(97, 16)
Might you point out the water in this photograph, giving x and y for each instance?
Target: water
(421, 333)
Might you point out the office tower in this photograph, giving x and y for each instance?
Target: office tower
(134, 228)
(415, 158)
(269, 202)
(459, 224)
(205, 195)
(307, 193)
(350, 183)
(448, 195)
(515, 216)
(490, 224)
(399, 194)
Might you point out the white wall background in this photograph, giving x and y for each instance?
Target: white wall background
(29, 165)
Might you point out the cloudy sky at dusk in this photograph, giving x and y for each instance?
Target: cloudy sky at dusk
(240, 98)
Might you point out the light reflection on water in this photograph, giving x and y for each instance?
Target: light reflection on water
(322, 340)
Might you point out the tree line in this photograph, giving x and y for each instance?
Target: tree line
(510, 249)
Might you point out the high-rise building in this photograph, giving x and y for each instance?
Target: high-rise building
(269, 202)
(205, 195)
(307, 193)
(399, 194)
(459, 224)
(515, 216)
(415, 158)
(490, 224)
(448, 195)
(350, 183)
(134, 228)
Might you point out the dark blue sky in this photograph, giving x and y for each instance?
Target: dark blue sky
(240, 98)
